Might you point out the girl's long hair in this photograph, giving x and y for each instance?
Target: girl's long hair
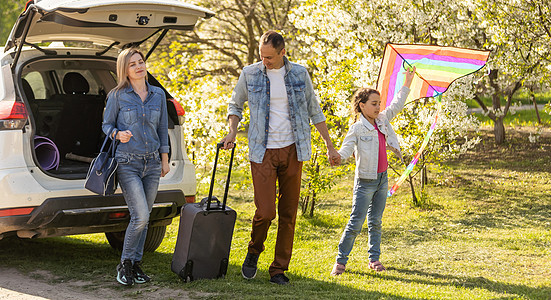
(361, 96)
(123, 61)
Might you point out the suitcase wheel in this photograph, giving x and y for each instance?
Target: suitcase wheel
(186, 272)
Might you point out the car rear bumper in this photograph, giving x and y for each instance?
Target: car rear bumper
(84, 214)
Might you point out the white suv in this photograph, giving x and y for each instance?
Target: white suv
(56, 69)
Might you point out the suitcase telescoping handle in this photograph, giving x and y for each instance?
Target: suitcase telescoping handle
(218, 146)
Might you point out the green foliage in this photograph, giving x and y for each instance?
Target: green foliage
(9, 11)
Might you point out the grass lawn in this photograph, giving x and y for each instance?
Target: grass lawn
(522, 118)
(522, 96)
(487, 235)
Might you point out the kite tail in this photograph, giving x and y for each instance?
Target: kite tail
(418, 154)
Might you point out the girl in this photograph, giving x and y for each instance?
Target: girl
(367, 138)
(136, 115)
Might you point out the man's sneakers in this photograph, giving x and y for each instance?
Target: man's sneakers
(248, 270)
(139, 275)
(125, 275)
(128, 273)
(280, 279)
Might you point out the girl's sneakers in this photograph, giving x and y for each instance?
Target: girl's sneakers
(377, 266)
(338, 269)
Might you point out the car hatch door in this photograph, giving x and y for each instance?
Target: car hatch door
(103, 22)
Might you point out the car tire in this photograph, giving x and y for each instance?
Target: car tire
(153, 240)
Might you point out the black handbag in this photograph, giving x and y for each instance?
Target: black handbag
(101, 177)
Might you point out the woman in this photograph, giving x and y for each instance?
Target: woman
(136, 115)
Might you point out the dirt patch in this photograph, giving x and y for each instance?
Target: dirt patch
(43, 285)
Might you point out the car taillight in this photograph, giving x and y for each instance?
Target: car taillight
(190, 199)
(179, 110)
(13, 115)
(118, 215)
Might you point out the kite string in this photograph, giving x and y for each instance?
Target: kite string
(409, 168)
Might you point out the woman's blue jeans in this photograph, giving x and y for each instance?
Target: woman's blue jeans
(138, 177)
(369, 201)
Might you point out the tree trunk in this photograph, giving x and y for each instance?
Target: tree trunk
(304, 204)
(424, 173)
(414, 197)
(533, 96)
(499, 131)
(312, 204)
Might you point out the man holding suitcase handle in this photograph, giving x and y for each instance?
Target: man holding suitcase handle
(282, 103)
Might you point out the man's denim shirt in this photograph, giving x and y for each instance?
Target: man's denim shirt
(254, 86)
(147, 120)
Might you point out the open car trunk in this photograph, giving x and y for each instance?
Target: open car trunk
(66, 93)
(66, 97)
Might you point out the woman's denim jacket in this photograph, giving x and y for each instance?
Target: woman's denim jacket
(254, 86)
(147, 120)
(363, 140)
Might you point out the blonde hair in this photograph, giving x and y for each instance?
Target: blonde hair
(123, 60)
(361, 96)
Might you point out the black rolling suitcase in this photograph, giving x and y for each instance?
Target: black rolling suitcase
(204, 236)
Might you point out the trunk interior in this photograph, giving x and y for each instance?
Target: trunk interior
(67, 97)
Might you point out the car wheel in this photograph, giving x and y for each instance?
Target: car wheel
(115, 239)
(153, 240)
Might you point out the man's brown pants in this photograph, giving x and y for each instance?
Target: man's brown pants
(283, 165)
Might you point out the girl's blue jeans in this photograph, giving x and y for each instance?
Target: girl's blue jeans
(369, 201)
(138, 177)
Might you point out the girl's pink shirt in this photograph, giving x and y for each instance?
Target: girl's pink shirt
(383, 161)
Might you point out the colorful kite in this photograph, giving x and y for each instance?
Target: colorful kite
(437, 67)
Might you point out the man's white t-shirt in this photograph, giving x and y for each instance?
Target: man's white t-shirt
(280, 133)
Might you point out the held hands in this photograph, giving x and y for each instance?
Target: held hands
(124, 136)
(410, 72)
(333, 156)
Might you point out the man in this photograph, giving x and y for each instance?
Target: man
(282, 103)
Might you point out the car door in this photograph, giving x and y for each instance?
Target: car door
(107, 22)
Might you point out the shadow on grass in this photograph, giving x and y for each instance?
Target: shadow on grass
(516, 154)
(69, 259)
(504, 207)
(93, 266)
(471, 283)
(461, 282)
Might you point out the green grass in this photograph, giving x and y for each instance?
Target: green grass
(486, 236)
(523, 97)
(520, 118)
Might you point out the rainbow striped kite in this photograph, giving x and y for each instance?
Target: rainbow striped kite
(437, 67)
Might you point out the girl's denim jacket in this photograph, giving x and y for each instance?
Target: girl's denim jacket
(362, 138)
(147, 120)
(254, 86)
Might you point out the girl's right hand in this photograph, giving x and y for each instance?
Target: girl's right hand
(409, 76)
(124, 136)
